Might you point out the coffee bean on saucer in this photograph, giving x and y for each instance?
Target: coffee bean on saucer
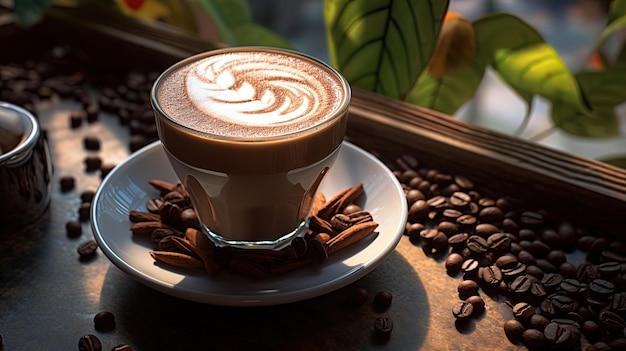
(67, 183)
(87, 249)
(89, 342)
(73, 228)
(104, 321)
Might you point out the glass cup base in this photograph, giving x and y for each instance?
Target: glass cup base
(276, 244)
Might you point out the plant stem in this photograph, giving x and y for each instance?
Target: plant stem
(543, 134)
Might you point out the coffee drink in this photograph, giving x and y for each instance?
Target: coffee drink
(251, 132)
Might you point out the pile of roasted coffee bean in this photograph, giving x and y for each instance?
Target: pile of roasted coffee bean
(494, 245)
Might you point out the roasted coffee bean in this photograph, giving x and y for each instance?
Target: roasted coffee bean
(67, 183)
(299, 245)
(87, 249)
(526, 258)
(383, 299)
(189, 218)
(383, 326)
(340, 222)
(87, 196)
(509, 226)
(587, 272)
(154, 205)
(556, 257)
(551, 238)
(76, 120)
(466, 222)
(357, 297)
(563, 303)
(506, 261)
(458, 241)
(92, 163)
(561, 337)
(73, 228)
(89, 342)
(539, 249)
(601, 289)
(513, 330)
(470, 268)
(537, 290)
(534, 271)
(609, 270)
(418, 211)
(413, 195)
(440, 242)
(520, 286)
(568, 270)
(104, 321)
(467, 288)
(618, 302)
(485, 229)
(477, 244)
(84, 211)
(490, 214)
(453, 263)
(413, 231)
(318, 251)
(534, 339)
(552, 281)
(612, 321)
(527, 234)
(448, 228)
(477, 303)
(511, 273)
(451, 215)
(591, 330)
(537, 321)
(499, 242)
(491, 276)
(91, 143)
(572, 287)
(546, 266)
(522, 311)
(598, 245)
(462, 310)
(531, 219)
(460, 199)
(427, 235)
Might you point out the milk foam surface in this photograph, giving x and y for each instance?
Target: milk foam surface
(250, 94)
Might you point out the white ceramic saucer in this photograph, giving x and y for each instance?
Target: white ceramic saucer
(126, 188)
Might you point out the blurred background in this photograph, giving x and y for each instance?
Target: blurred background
(570, 26)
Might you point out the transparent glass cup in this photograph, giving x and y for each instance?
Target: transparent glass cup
(250, 189)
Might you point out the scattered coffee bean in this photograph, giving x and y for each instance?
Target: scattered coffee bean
(87, 196)
(104, 321)
(477, 303)
(383, 326)
(92, 163)
(513, 329)
(462, 310)
(67, 183)
(84, 211)
(89, 342)
(383, 299)
(91, 143)
(87, 249)
(467, 288)
(73, 228)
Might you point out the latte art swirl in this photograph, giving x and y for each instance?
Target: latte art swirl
(247, 90)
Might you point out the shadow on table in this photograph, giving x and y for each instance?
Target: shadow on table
(150, 320)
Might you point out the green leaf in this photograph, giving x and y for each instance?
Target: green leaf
(617, 161)
(615, 25)
(29, 12)
(617, 9)
(233, 21)
(604, 90)
(526, 62)
(450, 92)
(382, 45)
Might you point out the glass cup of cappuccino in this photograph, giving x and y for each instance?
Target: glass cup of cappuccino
(251, 132)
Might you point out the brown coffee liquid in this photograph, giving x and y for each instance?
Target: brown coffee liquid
(278, 111)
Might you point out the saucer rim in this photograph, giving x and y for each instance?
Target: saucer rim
(189, 293)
